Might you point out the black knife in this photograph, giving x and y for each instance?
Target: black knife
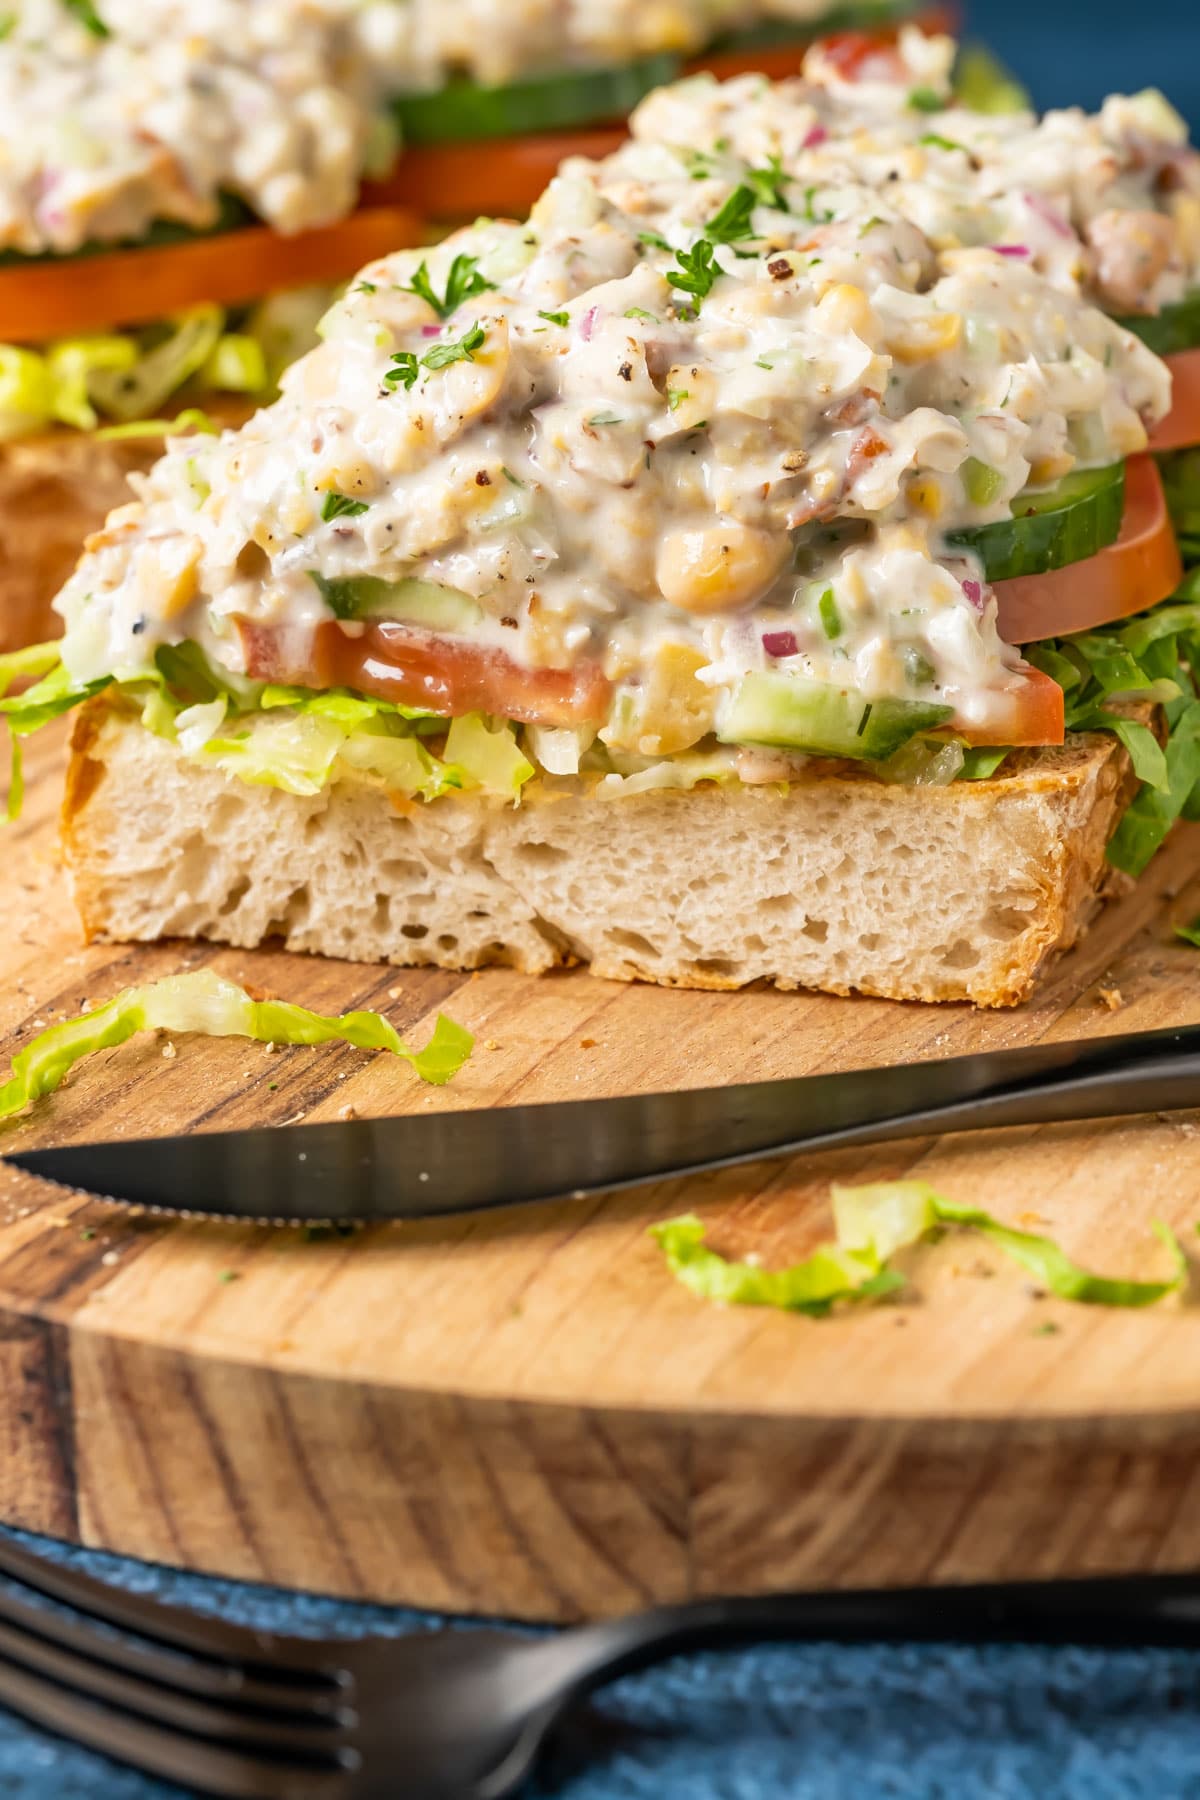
(438, 1163)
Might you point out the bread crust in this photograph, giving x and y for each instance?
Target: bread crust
(55, 489)
(840, 882)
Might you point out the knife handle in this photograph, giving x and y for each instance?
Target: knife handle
(1133, 1079)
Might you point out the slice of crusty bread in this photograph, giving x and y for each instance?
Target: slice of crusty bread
(54, 489)
(840, 882)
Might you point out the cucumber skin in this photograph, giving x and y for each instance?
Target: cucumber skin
(1174, 328)
(847, 17)
(788, 713)
(1033, 542)
(464, 112)
(417, 603)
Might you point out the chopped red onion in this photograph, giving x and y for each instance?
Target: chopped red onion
(430, 331)
(974, 592)
(1049, 215)
(1011, 249)
(780, 643)
(588, 323)
(817, 134)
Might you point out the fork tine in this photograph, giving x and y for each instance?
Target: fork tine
(175, 1757)
(263, 1651)
(87, 1637)
(316, 1734)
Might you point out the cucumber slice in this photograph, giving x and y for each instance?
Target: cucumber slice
(232, 215)
(464, 112)
(1174, 328)
(855, 15)
(792, 714)
(421, 603)
(1050, 526)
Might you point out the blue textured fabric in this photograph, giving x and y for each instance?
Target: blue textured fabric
(804, 1723)
(1074, 52)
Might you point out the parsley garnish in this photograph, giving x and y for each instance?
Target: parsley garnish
(926, 99)
(869, 226)
(676, 398)
(341, 506)
(735, 220)
(89, 18)
(942, 143)
(464, 282)
(654, 238)
(606, 418)
(696, 272)
(442, 355)
(405, 368)
(639, 312)
(556, 318)
(769, 185)
(365, 287)
(813, 213)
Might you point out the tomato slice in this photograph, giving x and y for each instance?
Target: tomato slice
(1139, 570)
(1031, 712)
(451, 676)
(131, 287)
(782, 61)
(1180, 430)
(501, 178)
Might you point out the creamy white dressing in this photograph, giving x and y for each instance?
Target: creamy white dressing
(680, 489)
(1109, 201)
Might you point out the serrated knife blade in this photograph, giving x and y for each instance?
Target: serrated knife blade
(430, 1164)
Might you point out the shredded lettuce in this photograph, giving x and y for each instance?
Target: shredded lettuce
(651, 775)
(72, 365)
(204, 1002)
(873, 1224)
(1181, 483)
(26, 392)
(886, 1217)
(813, 1287)
(128, 376)
(1153, 658)
(34, 661)
(487, 756)
(56, 693)
(192, 418)
(291, 738)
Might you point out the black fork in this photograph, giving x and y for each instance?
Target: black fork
(459, 1714)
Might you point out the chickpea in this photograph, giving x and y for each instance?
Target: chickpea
(167, 575)
(717, 568)
(466, 389)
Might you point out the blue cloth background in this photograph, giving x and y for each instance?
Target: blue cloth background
(1071, 52)
(818, 1723)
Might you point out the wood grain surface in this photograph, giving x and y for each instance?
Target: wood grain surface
(522, 1413)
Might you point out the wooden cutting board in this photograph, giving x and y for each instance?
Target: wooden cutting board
(523, 1413)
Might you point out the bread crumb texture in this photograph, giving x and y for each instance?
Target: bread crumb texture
(839, 883)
